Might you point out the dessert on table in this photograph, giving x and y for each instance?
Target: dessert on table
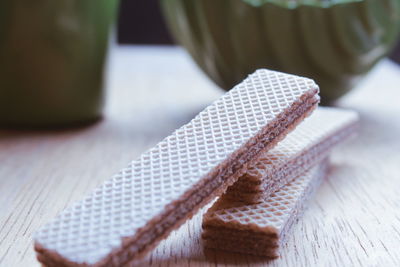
(127, 216)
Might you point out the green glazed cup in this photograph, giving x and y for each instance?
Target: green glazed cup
(52, 55)
(334, 42)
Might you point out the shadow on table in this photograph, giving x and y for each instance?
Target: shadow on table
(208, 257)
(234, 258)
(17, 132)
(150, 124)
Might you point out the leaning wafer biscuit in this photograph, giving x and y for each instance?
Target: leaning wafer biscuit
(303, 148)
(139, 206)
(260, 229)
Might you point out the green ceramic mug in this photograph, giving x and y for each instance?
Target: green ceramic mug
(52, 56)
(334, 42)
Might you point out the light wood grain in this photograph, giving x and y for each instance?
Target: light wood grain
(353, 221)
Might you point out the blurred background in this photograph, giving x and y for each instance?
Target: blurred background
(141, 22)
(53, 54)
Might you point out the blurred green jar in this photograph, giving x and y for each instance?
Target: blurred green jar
(335, 42)
(52, 55)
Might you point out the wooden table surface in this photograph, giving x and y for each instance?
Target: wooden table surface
(353, 221)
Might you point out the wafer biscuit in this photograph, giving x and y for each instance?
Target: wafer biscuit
(130, 213)
(260, 229)
(303, 148)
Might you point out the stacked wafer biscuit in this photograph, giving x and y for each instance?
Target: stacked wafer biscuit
(256, 213)
(312, 141)
(131, 212)
(259, 229)
(123, 219)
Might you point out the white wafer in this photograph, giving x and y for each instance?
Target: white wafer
(130, 213)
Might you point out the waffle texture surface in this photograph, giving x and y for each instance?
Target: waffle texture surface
(158, 191)
(303, 148)
(260, 228)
